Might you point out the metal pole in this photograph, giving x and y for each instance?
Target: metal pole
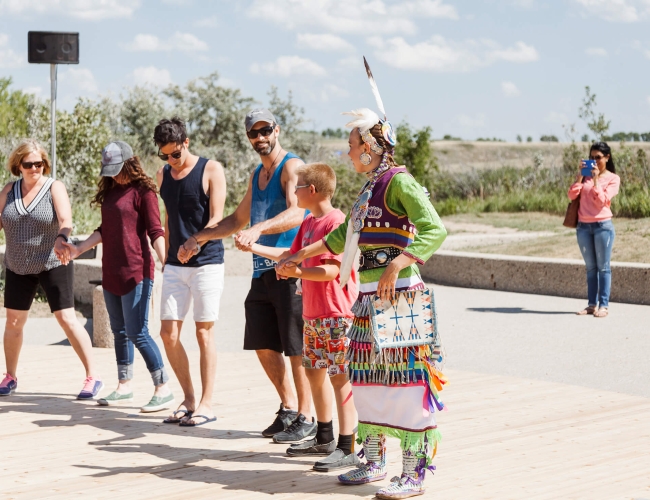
(53, 116)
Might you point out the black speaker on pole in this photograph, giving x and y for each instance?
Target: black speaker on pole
(52, 47)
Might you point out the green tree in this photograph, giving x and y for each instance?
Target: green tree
(291, 119)
(596, 122)
(414, 150)
(139, 112)
(81, 136)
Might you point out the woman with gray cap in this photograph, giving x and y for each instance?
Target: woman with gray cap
(130, 214)
(37, 220)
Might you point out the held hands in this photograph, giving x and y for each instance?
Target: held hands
(188, 250)
(288, 270)
(287, 265)
(65, 251)
(244, 239)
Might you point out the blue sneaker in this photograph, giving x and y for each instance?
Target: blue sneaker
(90, 389)
(8, 385)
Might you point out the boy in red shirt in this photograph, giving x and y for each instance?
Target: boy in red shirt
(327, 316)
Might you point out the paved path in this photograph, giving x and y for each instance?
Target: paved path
(543, 405)
(503, 438)
(502, 333)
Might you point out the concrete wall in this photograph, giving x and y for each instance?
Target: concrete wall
(560, 277)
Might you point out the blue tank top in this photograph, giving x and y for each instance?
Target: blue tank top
(265, 205)
(188, 211)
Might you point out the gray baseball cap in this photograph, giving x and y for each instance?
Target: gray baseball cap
(258, 115)
(113, 157)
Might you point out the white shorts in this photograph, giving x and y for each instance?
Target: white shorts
(182, 284)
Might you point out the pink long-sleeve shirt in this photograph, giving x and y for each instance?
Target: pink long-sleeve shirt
(595, 201)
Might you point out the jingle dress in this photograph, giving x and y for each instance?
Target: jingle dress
(402, 404)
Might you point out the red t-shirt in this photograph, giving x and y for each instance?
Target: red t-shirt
(324, 299)
(129, 215)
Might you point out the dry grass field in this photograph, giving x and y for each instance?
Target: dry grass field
(632, 243)
(466, 155)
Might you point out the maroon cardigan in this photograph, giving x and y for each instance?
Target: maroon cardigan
(129, 214)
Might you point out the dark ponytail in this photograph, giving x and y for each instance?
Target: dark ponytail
(607, 151)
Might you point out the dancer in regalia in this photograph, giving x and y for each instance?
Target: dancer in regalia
(395, 226)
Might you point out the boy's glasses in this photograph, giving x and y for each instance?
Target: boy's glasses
(300, 187)
(264, 131)
(175, 155)
(28, 165)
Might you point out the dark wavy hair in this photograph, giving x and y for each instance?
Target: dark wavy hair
(389, 150)
(605, 150)
(168, 131)
(136, 175)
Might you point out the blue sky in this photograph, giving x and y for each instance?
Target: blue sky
(467, 68)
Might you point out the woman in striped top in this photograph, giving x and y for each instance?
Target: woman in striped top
(37, 220)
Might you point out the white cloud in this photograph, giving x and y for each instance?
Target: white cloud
(325, 42)
(509, 89)
(287, 66)
(95, 10)
(331, 91)
(523, 4)
(648, 99)
(345, 16)
(596, 52)
(556, 118)
(37, 91)
(622, 11)
(150, 75)
(351, 62)
(442, 55)
(80, 78)
(185, 42)
(472, 122)
(9, 58)
(208, 22)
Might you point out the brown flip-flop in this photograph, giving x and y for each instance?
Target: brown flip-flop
(174, 420)
(587, 310)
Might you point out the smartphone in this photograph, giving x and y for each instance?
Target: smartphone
(586, 170)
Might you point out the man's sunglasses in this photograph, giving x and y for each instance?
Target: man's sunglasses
(28, 165)
(175, 155)
(264, 131)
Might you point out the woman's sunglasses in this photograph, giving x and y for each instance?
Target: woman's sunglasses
(28, 165)
(597, 158)
(175, 155)
(264, 131)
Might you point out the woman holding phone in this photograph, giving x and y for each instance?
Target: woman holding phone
(595, 231)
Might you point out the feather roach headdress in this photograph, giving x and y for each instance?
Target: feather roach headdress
(365, 119)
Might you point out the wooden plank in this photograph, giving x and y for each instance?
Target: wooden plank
(502, 438)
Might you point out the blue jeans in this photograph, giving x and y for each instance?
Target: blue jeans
(596, 240)
(129, 315)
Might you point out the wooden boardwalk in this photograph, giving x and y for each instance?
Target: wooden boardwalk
(503, 438)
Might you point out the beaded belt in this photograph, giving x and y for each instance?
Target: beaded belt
(378, 257)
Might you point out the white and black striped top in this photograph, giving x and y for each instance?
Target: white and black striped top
(30, 231)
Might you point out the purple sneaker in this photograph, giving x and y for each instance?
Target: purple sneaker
(91, 388)
(8, 385)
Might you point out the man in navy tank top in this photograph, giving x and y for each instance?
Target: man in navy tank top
(273, 310)
(194, 192)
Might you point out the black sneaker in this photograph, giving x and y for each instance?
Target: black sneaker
(311, 448)
(337, 460)
(298, 431)
(282, 421)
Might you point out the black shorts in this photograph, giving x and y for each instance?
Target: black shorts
(273, 315)
(20, 289)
